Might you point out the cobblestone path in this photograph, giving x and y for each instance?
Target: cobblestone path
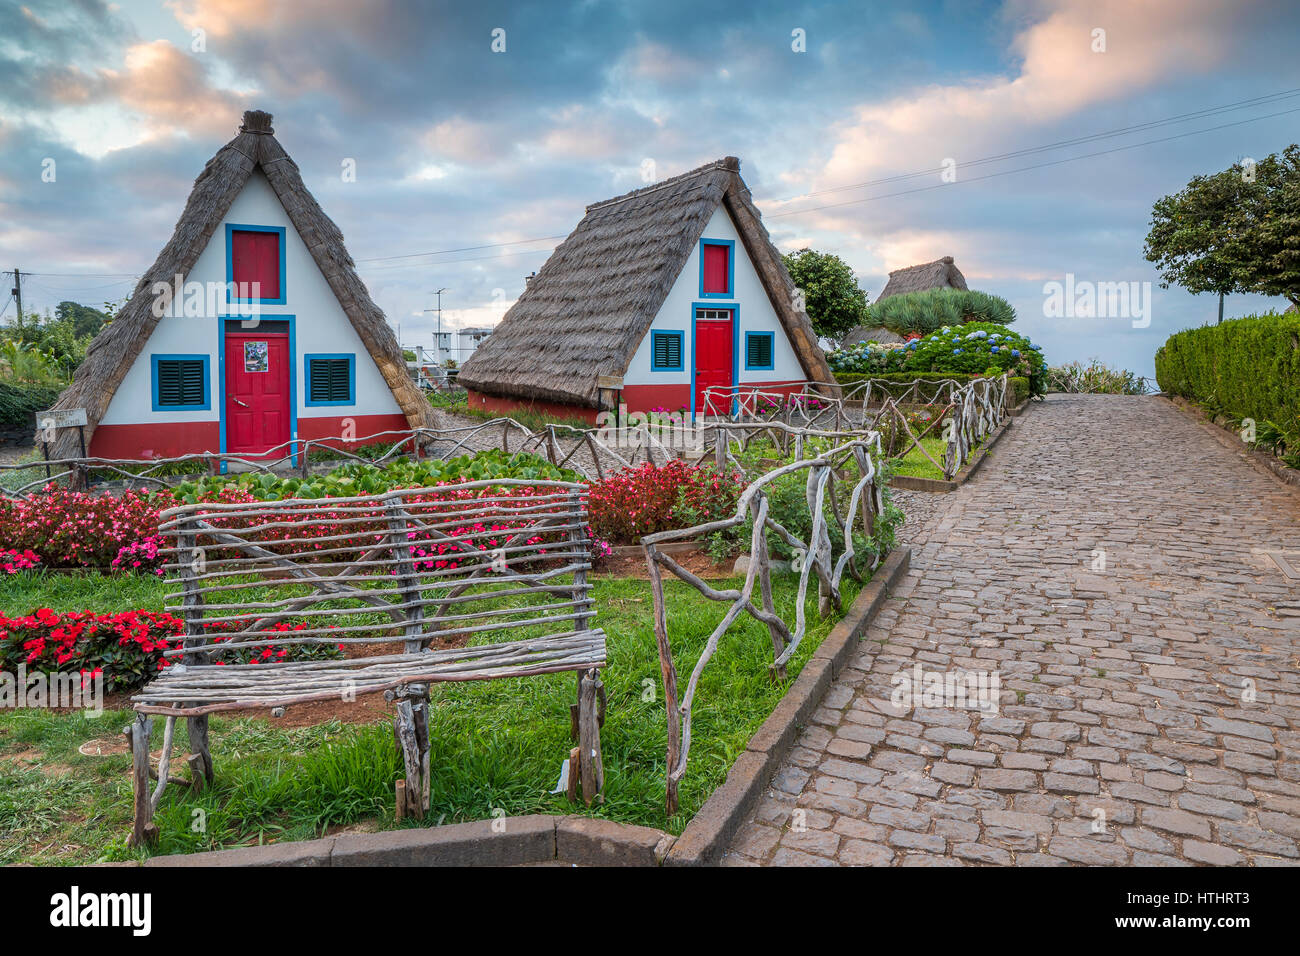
(1127, 732)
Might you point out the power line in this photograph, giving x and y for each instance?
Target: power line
(1021, 169)
(1061, 144)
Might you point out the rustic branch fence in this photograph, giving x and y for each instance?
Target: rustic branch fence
(853, 464)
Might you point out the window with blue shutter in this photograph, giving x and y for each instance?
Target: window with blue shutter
(758, 350)
(331, 379)
(180, 382)
(666, 349)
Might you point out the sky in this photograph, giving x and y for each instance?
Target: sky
(479, 132)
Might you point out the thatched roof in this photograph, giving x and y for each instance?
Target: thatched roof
(928, 275)
(591, 304)
(872, 333)
(111, 353)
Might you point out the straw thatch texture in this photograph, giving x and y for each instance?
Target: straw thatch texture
(111, 353)
(588, 308)
(927, 275)
(872, 333)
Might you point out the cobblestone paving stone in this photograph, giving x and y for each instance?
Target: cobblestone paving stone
(1125, 732)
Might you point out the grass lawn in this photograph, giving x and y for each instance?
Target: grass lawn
(496, 745)
(916, 465)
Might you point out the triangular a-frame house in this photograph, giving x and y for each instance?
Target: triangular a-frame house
(657, 300)
(251, 331)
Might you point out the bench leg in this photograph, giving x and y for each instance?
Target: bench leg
(411, 727)
(145, 831)
(590, 766)
(200, 759)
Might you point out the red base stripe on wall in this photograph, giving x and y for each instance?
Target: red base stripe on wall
(497, 405)
(155, 440)
(173, 439)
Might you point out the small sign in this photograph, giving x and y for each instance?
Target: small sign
(256, 357)
(609, 381)
(62, 418)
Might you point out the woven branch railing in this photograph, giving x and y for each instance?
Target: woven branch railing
(787, 419)
(854, 465)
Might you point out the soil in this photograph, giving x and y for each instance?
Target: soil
(699, 563)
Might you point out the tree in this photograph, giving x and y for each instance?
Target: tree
(1233, 231)
(84, 320)
(832, 299)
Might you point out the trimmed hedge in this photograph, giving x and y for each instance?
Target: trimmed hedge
(1248, 368)
(1019, 385)
(19, 403)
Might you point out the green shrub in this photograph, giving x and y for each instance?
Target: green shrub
(1018, 385)
(1094, 378)
(1243, 368)
(932, 309)
(20, 401)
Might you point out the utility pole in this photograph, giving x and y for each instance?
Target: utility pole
(437, 339)
(17, 293)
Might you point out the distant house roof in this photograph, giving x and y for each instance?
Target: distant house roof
(928, 275)
(872, 333)
(588, 308)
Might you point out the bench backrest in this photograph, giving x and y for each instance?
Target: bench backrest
(404, 568)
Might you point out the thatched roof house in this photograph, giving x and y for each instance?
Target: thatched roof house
(872, 333)
(653, 299)
(181, 370)
(941, 273)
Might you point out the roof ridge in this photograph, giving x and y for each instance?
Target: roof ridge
(730, 163)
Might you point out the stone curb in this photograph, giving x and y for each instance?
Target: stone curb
(508, 841)
(711, 829)
(588, 841)
(1288, 477)
(909, 483)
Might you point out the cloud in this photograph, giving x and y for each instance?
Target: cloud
(171, 91)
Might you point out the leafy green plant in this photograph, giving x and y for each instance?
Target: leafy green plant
(1093, 378)
(932, 309)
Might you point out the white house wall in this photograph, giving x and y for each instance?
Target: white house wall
(320, 325)
(755, 315)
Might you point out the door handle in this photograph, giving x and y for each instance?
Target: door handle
(238, 402)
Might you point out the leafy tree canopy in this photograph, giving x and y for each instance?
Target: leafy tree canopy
(832, 299)
(1233, 231)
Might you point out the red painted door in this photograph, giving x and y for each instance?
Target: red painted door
(258, 408)
(713, 361)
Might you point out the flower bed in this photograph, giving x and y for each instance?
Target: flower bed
(127, 648)
(642, 500)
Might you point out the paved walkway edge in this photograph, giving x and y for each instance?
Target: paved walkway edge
(711, 829)
(1226, 437)
(909, 483)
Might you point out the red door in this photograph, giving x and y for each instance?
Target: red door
(713, 361)
(257, 393)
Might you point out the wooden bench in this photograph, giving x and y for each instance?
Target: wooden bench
(474, 581)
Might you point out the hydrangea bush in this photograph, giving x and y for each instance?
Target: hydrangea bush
(867, 357)
(975, 348)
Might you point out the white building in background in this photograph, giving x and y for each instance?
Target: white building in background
(459, 344)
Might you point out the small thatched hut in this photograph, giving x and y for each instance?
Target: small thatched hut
(657, 296)
(872, 333)
(941, 273)
(251, 329)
